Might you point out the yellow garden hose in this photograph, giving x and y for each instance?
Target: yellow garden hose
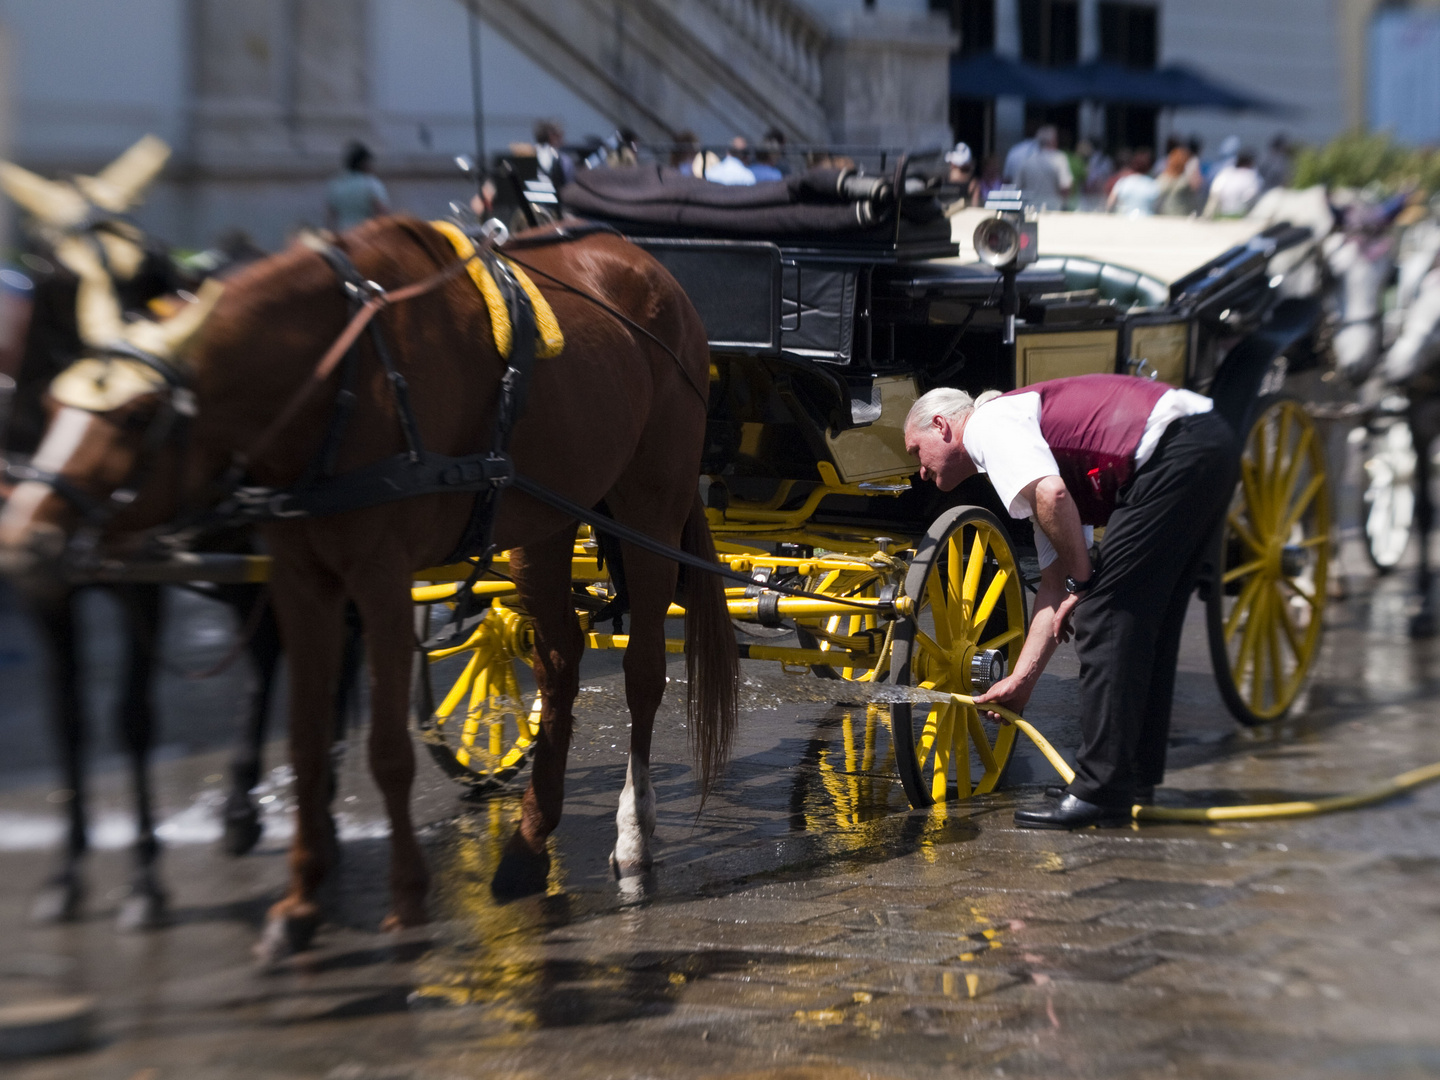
(1387, 789)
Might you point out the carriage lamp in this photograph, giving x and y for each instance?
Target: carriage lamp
(1008, 242)
(987, 667)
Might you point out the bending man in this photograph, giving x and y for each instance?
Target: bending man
(1155, 466)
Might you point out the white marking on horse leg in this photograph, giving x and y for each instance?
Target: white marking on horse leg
(634, 822)
(62, 439)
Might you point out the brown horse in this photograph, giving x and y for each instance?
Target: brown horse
(615, 417)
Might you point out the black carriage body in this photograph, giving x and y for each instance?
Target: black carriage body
(820, 344)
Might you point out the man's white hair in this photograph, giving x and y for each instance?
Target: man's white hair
(944, 401)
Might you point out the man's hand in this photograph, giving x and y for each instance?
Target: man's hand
(1060, 628)
(1013, 692)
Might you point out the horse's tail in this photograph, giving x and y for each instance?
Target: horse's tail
(712, 662)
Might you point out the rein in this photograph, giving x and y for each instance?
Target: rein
(378, 300)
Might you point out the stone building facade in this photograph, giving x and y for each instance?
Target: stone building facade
(259, 98)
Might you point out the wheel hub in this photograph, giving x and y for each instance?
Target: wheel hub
(987, 667)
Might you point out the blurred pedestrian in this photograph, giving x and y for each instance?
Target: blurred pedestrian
(356, 194)
(1235, 188)
(1099, 168)
(961, 177)
(1278, 164)
(1018, 155)
(730, 169)
(991, 176)
(1176, 185)
(1044, 177)
(550, 155)
(776, 138)
(1135, 191)
(682, 153)
(766, 166)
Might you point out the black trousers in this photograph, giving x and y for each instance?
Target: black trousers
(1128, 625)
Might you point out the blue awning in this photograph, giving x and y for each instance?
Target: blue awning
(987, 75)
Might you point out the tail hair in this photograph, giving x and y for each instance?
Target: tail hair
(712, 661)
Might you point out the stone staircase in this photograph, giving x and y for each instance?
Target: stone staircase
(716, 67)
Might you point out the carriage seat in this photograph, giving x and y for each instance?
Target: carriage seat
(1127, 288)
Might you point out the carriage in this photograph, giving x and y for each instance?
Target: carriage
(827, 317)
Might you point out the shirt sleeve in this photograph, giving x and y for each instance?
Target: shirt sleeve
(1003, 438)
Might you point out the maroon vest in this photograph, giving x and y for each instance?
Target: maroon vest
(1093, 425)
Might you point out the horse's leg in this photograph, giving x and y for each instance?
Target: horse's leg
(242, 816)
(385, 610)
(144, 907)
(542, 573)
(60, 897)
(347, 691)
(1423, 623)
(652, 586)
(308, 604)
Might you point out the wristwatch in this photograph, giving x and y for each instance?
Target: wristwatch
(1072, 586)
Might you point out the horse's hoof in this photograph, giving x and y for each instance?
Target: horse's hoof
(242, 833)
(284, 936)
(57, 901)
(142, 910)
(521, 873)
(1422, 624)
(631, 868)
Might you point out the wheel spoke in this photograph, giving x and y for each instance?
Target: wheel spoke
(1287, 624)
(944, 739)
(1245, 600)
(1243, 531)
(1244, 570)
(973, 570)
(1285, 484)
(987, 604)
(1309, 598)
(1277, 673)
(462, 684)
(1000, 639)
(927, 645)
(1306, 497)
(980, 739)
(928, 733)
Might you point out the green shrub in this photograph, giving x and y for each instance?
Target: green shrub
(1360, 160)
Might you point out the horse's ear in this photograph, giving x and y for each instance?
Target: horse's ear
(119, 185)
(97, 309)
(167, 339)
(52, 203)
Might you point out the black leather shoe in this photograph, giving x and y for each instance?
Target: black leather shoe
(1073, 813)
(1145, 795)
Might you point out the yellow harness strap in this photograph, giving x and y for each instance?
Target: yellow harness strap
(550, 341)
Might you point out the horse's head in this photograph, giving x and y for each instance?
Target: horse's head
(113, 416)
(1361, 258)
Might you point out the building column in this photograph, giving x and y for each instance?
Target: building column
(1092, 117)
(1009, 111)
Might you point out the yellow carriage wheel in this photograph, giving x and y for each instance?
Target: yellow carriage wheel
(860, 632)
(969, 613)
(470, 704)
(1266, 615)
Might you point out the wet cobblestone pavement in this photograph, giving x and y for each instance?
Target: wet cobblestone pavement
(807, 924)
